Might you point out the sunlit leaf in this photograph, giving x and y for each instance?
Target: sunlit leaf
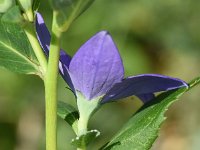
(5, 5)
(26, 4)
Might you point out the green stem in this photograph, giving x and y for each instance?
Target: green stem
(82, 127)
(51, 88)
(82, 124)
(86, 110)
(30, 32)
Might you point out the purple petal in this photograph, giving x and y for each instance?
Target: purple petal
(143, 84)
(43, 34)
(97, 66)
(44, 38)
(64, 69)
(146, 97)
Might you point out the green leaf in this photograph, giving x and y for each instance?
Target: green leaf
(16, 53)
(142, 129)
(25, 4)
(13, 15)
(36, 5)
(68, 10)
(67, 112)
(85, 139)
(6, 5)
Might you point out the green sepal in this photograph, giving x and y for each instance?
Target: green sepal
(68, 113)
(142, 129)
(68, 10)
(85, 139)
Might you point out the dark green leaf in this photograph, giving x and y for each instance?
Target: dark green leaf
(67, 112)
(16, 53)
(142, 129)
(85, 139)
(69, 10)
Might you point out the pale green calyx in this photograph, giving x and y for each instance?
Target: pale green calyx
(5, 5)
(86, 109)
(26, 6)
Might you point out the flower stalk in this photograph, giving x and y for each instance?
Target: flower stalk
(51, 88)
(86, 110)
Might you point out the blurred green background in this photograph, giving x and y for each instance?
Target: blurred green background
(154, 36)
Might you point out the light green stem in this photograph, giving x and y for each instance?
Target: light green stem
(51, 89)
(82, 127)
(30, 32)
(86, 110)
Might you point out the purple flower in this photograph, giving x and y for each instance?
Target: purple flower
(96, 70)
